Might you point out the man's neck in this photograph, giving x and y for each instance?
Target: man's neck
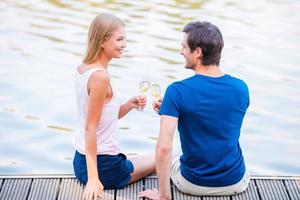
(209, 70)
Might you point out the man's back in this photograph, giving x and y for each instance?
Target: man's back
(210, 112)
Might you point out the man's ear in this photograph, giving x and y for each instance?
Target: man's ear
(198, 52)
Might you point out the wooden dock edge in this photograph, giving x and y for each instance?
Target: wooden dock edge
(2, 176)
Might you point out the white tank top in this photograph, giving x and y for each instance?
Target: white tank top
(107, 129)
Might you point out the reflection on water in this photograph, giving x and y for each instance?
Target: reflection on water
(9, 109)
(124, 128)
(153, 138)
(31, 117)
(59, 128)
(41, 42)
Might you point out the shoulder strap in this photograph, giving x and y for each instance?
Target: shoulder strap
(89, 72)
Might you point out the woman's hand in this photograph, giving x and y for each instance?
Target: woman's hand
(93, 189)
(156, 104)
(138, 102)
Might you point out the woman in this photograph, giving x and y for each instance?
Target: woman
(98, 162)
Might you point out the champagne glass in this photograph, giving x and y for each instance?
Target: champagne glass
(144, 87)
(155, 92)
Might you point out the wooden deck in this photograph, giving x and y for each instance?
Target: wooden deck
(66, 187)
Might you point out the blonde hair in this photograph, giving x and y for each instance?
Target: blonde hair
(101, 28)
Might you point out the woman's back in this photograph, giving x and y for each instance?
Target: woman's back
(106, 132)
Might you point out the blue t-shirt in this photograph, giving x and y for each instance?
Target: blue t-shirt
(210, 113)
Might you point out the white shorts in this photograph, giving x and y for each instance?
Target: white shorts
(187, 187)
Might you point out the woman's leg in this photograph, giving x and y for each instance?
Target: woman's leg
(143, 166)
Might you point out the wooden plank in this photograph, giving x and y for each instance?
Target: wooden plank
(15, 189)
(48, 188)
(268, 177)
(1, 181)
(44, 189)
(217, 198)
(71, 189)
(151, 183)
(130, 192)
(271, 190)
(249, 194)
(108, 195)
(293, 188)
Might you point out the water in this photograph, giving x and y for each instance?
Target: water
(41, 42)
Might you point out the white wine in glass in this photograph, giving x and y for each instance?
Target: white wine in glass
(144, 87)
(155, 91)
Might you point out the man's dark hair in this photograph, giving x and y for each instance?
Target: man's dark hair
(208, 37)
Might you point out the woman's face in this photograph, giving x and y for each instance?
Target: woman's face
(113, 46)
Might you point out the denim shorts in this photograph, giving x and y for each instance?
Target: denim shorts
(113, 170)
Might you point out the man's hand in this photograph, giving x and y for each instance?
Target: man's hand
(156, 104)
(152, 194)
(93, 189)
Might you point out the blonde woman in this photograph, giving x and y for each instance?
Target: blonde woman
(98, 162)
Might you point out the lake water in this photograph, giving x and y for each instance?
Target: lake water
(41, 42)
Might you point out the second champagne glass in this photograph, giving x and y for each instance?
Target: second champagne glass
(155, 92)
(144, 87)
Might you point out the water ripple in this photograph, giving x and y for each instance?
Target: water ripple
(42, 41)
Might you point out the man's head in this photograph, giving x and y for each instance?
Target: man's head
(202, 44)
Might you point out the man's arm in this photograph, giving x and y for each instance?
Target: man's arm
(164, 155)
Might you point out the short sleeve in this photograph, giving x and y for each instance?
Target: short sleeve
(247, 96)
(171, 102)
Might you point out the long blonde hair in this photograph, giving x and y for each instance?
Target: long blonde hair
(101, 28)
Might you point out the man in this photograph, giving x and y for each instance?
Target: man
(208, 108)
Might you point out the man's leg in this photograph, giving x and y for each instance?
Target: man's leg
(189, 188)
(175, 174)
